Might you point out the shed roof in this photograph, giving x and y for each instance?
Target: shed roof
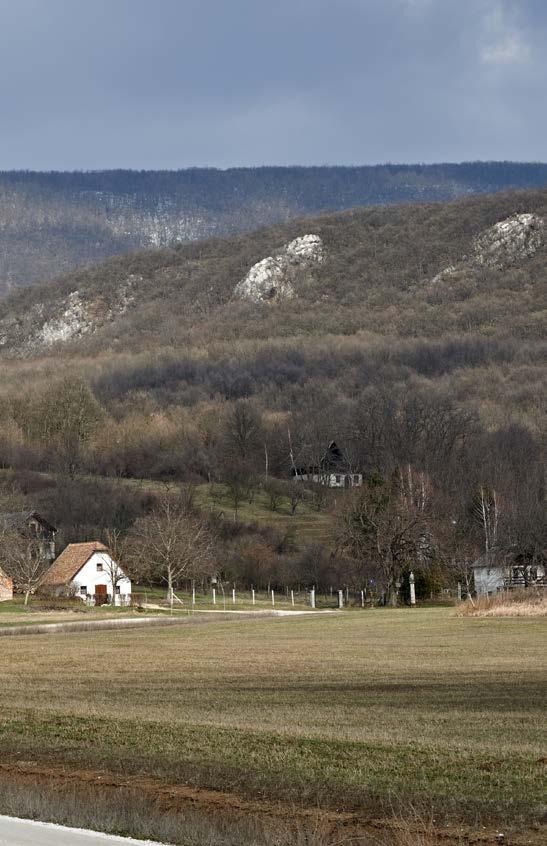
(70, 561)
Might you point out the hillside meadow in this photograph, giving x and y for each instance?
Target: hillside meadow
(372, 712)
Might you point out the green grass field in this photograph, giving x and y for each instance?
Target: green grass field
(372, 709)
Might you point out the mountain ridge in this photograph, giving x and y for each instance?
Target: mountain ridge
(394, 300)
(52, 223)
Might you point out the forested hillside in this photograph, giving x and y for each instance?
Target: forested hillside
(411, 335)
(51, 223)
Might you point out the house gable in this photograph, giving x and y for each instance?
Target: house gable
(70, 562)
(95, 572)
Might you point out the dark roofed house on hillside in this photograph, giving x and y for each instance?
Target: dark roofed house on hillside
(31, 524)
(333, 471)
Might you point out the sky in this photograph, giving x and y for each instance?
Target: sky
(92, 84)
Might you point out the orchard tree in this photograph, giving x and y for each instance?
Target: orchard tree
(170, 544)
(21, 557)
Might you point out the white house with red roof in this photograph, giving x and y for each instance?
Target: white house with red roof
(89, 571)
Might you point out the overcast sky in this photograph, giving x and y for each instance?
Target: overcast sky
(178, 83)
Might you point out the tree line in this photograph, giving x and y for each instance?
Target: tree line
(432, 475)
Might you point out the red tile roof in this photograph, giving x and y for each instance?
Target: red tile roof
(70, 561)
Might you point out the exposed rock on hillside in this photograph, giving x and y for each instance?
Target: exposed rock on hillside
(69, 318)
(516, 238)
(273, 278)
(71, 323)
(501, 245)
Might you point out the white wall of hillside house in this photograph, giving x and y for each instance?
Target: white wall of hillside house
(91, 575)
(333, 480)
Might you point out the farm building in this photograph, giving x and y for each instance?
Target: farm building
(492, 573)
(89, 571)
(6, 587)
(31, 524)
(333, 471)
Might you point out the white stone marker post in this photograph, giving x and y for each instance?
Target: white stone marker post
(362, 599)
(312, 597)
(214, 597)
(412, 589)
(273, 598)
(340, 598)
(233, 596)
(292, 597)
(253, 595)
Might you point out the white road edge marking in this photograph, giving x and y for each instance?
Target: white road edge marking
(128, 841)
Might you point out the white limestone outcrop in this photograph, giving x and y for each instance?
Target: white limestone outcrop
(505, 243)
(67, 319)
(273, 278)
(510, 240)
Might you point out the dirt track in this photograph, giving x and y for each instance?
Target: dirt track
(178, 797)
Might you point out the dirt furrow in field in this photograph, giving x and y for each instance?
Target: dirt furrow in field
(178, 797)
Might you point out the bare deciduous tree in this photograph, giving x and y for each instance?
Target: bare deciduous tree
(170, 544)
(118, 552)
(22, 559)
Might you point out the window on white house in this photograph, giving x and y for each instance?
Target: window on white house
(338, 478)
(99, 567)
(118, 589)
(83, 589)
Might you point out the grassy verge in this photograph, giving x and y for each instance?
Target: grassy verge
(516, 603)
(127, 814)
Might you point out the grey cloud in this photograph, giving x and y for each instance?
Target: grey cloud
(175, 83)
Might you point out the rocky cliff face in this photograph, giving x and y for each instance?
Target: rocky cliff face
(507, 242)
(70, 318)
(276, 278)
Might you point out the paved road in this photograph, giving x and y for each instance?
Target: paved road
(15, 832)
